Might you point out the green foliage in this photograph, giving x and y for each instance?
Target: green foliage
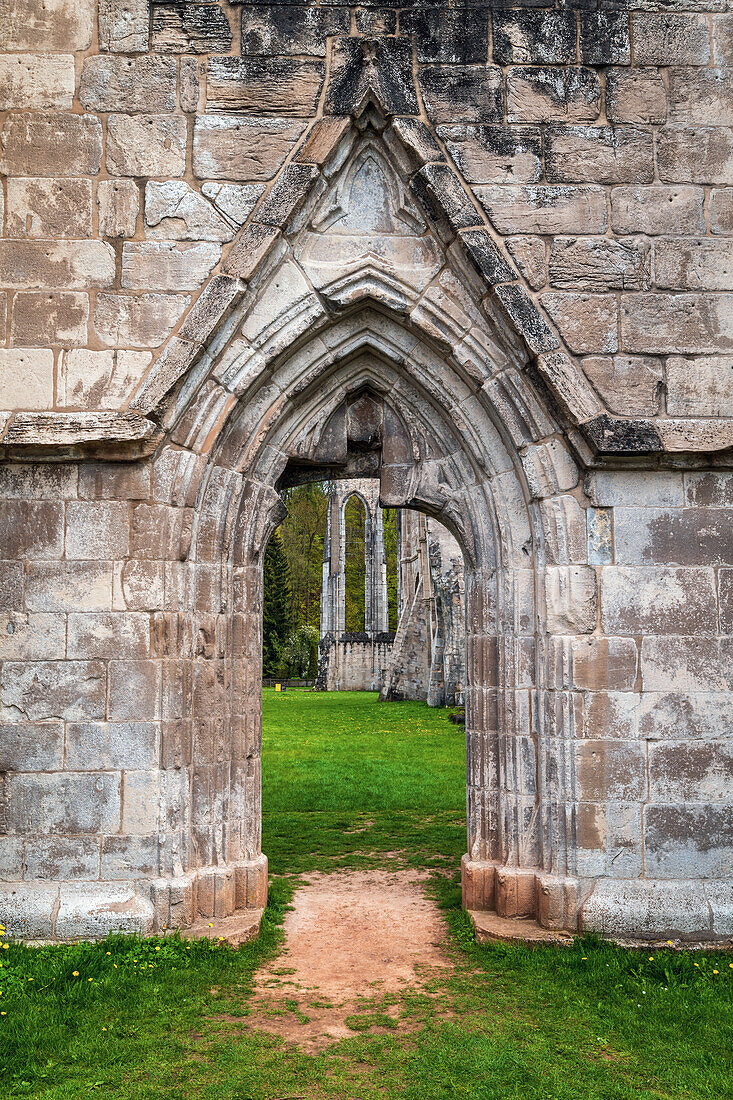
(303, 531)
(298, 653)
(390, 521)
(354, 563)
(276, 604)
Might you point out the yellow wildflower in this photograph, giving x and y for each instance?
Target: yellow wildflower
(6, 946)
(90, 979)
(716, 972)
(651, 958)
(157, 949)
(75, 973)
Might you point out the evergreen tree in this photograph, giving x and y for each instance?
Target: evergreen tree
(276, 617)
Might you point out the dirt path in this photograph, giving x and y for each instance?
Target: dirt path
(353, 940)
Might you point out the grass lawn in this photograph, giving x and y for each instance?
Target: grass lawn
(350, 782)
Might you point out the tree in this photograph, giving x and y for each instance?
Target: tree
(276, 615)
(298, 653)
(303, 531)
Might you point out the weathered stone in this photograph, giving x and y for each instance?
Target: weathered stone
(235, 148)
(466, 93)
(235, 201)
(720, 210)
(534, 38)
(670, 39)
(711, 488)
(694, 264)
(611, 770)
(444, 192)
(67, 802)
(597, 264)
(668, 324)
(176, 212)
(587, 322)
(599, 154)
(111, 744)
(49, 317)
(26, 379)
(128, 84)
(695, 154)
(38, 81)
(189, 84)
(569, 386)
(57, 25)
(658, 600)
(124, 25)
(486, 256)
(51, 145)
(571, 599)
(680, 766)
(111, 635)
(97, 530)
(250, 248)
(62, 857)
(11, 586)
(50, 264)
(701, 95)
(49, 208)
(190, 28)
(723, 39)
(69, 586)
(139, 321)
(530, 256)
(690, 536)
(547, 95)
(604, 38)
(657, 210)
(688, 840)
(118, 202)
(495, 154)
(34, 637)
(527, 318)
(457, 37)
(167, 266)
(287, 193)
(271, 85)
(627, 385)
(700, 387)
(636, 96)
(278, 30)
(542, 209)
(146, 145)
(45, 689)
(382, 65)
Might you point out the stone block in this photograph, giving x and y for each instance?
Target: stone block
(645, 908)
(164, 265)
(143, 585)
(49, 208)
(129, 857)
(273, 85)
(723, 39)
(611, 770)
(700, 387)
(100, 379)
(672, 324)
(97, 530)
(694, 264)
(42, 481)
(527, 318)
(678, 767)
(47, 265)
(636, 95)
(146, 145)
(175, 211)
(56, 26)
(68, 586)
(658, 600)
(189, 28)
(134, 690)
(604, 38)
(563, 526)
(587, 322)
(287, 194)
(36, 81)
(118, 202)
(31, 528)
(41, 690)
(604, 664)
(553, 95)
(658, 210)
(49, 317)
(571, 599)
(279, 30)
(599, 154)
(124, 25)
(681, 715)
(635, 488)
(26, 378)
(688, 841)
(466, 93)
(128, 84)
(627, 385)
(12, 864)
(50, 145)
(235, 201)
(114, 481)
(720, 210)
(687, 665)
(670, 38)
(140, 802)
(64, 858)
(64, 802)
(530, 256)
(599, 263)
(11, 585)
(695, 154)
(612, 715)
(689, 536)
(140, 320)
(31, 746)
(495, 154)
(709, 488)
(116, 635)
(231, 147)
(701, 95)
(94, 910)
(542, 209)
(455, 37)
(534, 37)
(111, 745)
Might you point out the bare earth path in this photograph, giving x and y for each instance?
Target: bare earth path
(352, 941)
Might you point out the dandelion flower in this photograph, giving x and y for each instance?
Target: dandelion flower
(75, 973)
(90, 979)
(109, 953)
(114, 965)
(104, 1029)
(210, 925)
(157, 949)
(6, 946)
(651, 958)
(716, 972)
(697, 965)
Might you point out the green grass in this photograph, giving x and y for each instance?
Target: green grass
(348, 782)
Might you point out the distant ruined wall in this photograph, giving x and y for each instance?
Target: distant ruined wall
(483, 253)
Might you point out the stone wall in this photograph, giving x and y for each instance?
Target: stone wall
(508, 226)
